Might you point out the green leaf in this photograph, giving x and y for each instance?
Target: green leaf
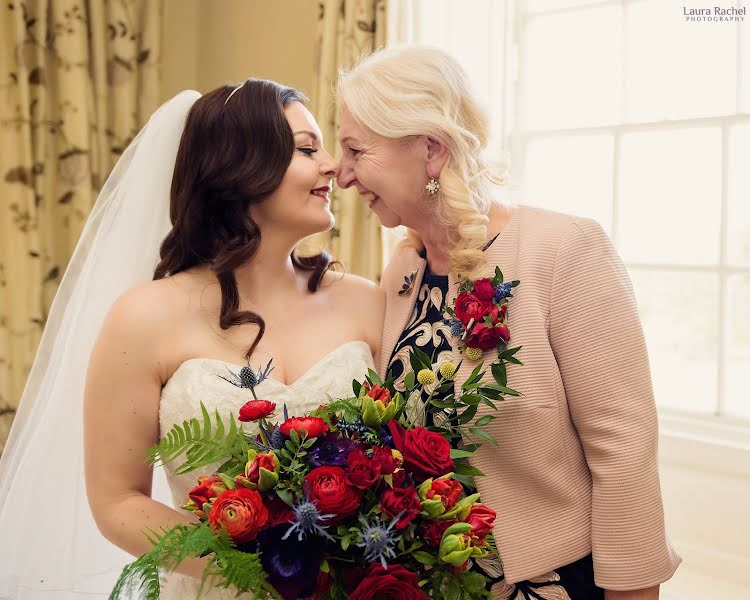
(424, 557)
(374, 377)
(467, 469)
(409, 380)
(468, 414)
(456, 453)
(499, 373)
(356, 387)
(484, 435)
(482, 421)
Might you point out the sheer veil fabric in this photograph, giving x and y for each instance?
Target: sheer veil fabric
(51, 547)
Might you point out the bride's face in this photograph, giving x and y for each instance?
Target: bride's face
(302, 202)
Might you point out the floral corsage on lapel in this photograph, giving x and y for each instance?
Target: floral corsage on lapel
(479, 315)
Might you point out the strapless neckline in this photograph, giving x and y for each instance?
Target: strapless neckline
(323, 360)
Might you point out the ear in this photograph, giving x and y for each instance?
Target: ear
(437, 156)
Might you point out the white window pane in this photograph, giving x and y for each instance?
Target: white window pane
(745, 69)
(469, 42)
(738, 222)
(680, 312)
(670, 196)
(571, 174)
(678, 69)
(737, 389)
(540, 5)
(571, 69)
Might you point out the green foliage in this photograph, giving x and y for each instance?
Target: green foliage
(202, 445)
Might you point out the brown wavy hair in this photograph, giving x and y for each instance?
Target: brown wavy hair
(233, 154)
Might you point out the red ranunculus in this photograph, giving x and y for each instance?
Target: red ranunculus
(469, 307)
(383, 459)
(362, 472)
(393, 583)
(313, 426)
(426, 453)
(484, 337)
(402, 479)
(432, 531)
(241, 512)
(481, 518)
(330, 489)
(323, 585)
(377, 392)
(404, 501)
(448, 490)
(256, 409)
(483, 289)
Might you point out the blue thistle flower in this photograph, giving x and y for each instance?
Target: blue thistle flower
(457, 328)
(276, 439)
(503, 290)
(307, 521)
(378, 540)
(247, 378)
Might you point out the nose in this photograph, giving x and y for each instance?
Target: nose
(330, 167)
(346, 174)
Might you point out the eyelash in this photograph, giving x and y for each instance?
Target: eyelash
(308, 151)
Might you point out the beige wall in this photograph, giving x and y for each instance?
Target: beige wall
(211, 42)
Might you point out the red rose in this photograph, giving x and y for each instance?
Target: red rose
(278, 512)
(469, 307)
(241, 512)
(383, 459)
(377, 392)
(331, 490)
(432, 531)
(484, 337)
(484, 290)
(208, 489)
(426, 453)
(313, 426)
(481, 518)
(362, 472)
(448, 490)
(256, 409)
(393, 583)
(402, 501)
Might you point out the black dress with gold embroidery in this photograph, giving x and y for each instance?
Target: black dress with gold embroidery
(427, 330)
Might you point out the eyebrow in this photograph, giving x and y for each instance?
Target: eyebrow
(310, 133)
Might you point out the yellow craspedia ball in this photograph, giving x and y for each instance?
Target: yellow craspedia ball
(448, 370)
(426, 377)
(474, 353)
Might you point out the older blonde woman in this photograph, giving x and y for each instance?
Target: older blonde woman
(574, 479)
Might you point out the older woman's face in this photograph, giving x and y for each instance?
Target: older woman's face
(390, 174)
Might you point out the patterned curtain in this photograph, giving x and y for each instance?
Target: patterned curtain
(78, 78)
(346, 30)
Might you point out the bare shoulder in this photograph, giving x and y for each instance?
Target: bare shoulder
(138, 324)
(353, 288)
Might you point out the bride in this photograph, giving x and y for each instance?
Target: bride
(250, 180)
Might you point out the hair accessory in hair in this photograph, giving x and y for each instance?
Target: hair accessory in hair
(234, 91)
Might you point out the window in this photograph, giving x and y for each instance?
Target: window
(626, 112)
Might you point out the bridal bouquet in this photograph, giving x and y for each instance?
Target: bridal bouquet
(351, 501)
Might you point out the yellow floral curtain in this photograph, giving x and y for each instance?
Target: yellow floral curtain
(78, 79)
(346, 30)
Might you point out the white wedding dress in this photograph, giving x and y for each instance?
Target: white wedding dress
(197, 380)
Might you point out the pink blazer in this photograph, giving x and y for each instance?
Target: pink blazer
(576, 467)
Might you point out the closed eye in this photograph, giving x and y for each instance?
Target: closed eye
(308, 151)
(354, 151)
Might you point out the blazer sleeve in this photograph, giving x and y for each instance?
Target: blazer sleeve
(598, 342)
